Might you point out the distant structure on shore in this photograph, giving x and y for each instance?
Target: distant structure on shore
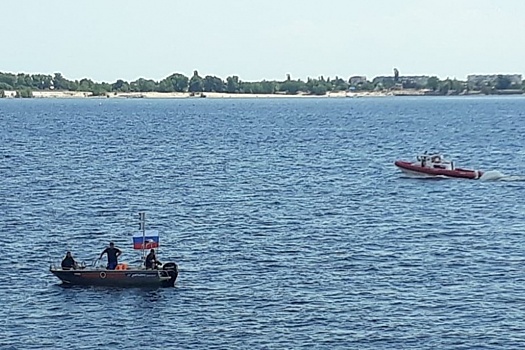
(409, 81)
(502, 80)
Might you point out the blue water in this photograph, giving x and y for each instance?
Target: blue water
(290, 224)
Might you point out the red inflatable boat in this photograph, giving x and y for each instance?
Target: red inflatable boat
(436, 165)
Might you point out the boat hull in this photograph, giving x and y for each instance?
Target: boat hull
(118, 278)
(414, 169)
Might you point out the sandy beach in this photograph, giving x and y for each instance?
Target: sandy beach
(170, 95)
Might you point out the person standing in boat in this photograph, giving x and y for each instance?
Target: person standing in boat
(151, 260)
(113, 254)
(69, 263)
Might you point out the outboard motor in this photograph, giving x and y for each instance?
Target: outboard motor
(173, 271)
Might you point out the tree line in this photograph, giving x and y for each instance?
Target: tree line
(24, 84)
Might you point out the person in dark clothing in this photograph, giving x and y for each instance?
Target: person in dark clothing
(69, 263)
(151, 260)
(113, 254)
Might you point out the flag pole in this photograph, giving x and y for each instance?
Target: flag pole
(142, 224)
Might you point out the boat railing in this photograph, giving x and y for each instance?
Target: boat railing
(96, 265)
(57, 265)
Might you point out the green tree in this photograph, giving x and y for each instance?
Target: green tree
(196, 83)
(319, 89)
(339, 84)
(232, 84)
(20, 82)
(105, 86)
(120, 86)
(268, 87)
(4, 86)
(98, 90)
(165, 85)
(213, 84)
(28, 81)
(316, 86)
(134, 87)
(292, 87)
(179, 82)
(145, 85)
(24, 93)
(432, 83)
(42, 82)
(8, 78)
(264, 87)
(60, 83)
(86, 85)
(310, 83)
(249, 88)
(74, 85)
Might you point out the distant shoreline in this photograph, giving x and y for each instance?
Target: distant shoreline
(222, 95)
(183, 95)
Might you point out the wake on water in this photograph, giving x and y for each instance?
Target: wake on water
(494, 175)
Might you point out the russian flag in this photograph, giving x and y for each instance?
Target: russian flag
(149, 240)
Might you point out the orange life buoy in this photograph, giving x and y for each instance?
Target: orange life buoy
(122, 267)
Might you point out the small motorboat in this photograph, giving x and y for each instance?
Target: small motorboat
(436, 165)
(123, 275)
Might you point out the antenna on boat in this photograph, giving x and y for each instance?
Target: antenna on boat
(142, 227)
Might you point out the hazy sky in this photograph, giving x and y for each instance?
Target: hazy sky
(106, 40)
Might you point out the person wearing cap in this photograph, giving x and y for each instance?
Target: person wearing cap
(113, 254)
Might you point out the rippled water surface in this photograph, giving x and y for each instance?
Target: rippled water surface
(291, 226)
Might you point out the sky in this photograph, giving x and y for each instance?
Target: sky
(107, 40)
